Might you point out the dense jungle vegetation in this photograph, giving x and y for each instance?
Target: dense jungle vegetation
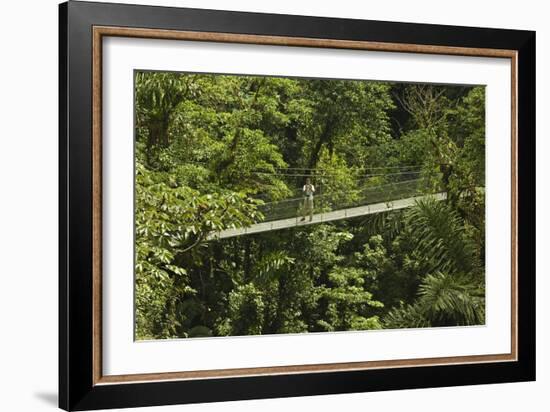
(211, 149)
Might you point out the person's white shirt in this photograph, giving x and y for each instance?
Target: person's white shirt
(308, 191)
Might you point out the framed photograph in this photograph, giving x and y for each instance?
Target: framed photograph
(256, 205)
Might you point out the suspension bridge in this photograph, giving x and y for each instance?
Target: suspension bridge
(402, 189)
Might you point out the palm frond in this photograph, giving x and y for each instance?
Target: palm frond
(452, 300)
(441, 237)
(444, 300)
(406, 316)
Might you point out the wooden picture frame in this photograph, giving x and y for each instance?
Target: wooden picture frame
(83, 26)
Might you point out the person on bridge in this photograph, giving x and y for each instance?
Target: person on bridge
(308, 190)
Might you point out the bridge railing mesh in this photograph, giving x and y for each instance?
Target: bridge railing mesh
(327, 202)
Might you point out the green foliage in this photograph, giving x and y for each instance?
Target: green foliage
(172, 222)
(452, 290)
(348, 303)
(212, 149)
(441, 237)
(245, 312)
(444, 300)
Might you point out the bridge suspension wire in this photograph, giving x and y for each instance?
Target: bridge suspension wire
(367, 167)
(334, 174)
(393, 184)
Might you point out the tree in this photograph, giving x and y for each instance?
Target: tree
(158, 97)
(172, 222)
(452, 292)
(342, 112)
(349, 305)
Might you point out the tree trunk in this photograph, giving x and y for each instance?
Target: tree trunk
(325, 137)
(246, 265)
